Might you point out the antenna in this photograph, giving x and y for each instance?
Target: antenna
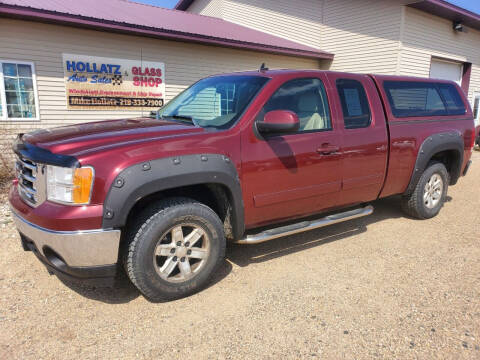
(263, 68)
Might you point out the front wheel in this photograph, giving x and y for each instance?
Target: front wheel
(429, 194)
(175, 247)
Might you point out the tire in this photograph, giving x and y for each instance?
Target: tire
(416, 205)
(165, 275)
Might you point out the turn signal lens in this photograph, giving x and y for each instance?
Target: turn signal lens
(82, 185)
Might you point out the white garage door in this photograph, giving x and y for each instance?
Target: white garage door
(446, 70)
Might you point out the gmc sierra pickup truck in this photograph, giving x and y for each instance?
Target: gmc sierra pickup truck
(243, 157)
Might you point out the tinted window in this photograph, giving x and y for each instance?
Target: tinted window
(356, 112)
(409, 98)
(454, 102)
(307, 99)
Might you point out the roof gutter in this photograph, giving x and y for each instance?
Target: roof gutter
(440, 8)
(183, 4)
(44, 16)
(448, 11)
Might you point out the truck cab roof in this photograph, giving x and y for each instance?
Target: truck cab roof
(275, 73)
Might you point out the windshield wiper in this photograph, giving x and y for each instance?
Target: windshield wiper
(183, 118)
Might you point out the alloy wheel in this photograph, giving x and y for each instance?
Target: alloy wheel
(181, 252)
(432, 192)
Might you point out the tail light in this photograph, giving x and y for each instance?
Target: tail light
(472, 137)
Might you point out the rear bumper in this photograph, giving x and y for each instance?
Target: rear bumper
(79, 254)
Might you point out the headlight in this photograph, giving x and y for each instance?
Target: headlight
(70, 186)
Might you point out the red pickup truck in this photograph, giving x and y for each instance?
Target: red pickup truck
(234, 153)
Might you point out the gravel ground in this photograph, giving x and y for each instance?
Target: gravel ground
(384, 287)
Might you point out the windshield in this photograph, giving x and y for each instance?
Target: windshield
(214, 102)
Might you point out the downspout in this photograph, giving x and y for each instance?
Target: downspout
(400, 40)
(323, 63)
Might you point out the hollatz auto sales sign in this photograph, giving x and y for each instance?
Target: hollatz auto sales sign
(94, 82)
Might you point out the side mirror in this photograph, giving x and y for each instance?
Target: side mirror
(278, 121)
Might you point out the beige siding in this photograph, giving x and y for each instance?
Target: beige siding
(383, 37)
(363, 34)
(185, 63)
(294, 20)
(426, 36)
(44, 44)
(297, 21)
(207, 7)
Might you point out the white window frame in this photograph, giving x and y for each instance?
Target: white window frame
(476, 95)
(3, 97)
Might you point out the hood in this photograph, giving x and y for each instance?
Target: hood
(69, 140)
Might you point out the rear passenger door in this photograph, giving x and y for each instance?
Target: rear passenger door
(364, 137)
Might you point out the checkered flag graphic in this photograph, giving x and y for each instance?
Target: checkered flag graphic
(117, 80)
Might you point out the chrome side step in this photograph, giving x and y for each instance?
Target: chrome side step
(305, 226)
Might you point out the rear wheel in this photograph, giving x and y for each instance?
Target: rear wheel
(429, 194)
(175, 247)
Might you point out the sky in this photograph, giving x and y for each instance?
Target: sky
(163, 3)
(472, 5)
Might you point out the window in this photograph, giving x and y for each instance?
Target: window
(453, 101)
(476, 109)
(205, 105)
(306, 98)
(410, 98)
(215, 102)
(355, 108)
(227, 97)
(18, 93)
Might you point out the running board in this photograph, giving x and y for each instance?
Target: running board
(305, 226)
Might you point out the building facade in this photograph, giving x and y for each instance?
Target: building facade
(42, 47)
(69, 62)
(413, 38)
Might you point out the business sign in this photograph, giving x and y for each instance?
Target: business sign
(94, 82)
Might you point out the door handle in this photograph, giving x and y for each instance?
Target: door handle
(328, 149)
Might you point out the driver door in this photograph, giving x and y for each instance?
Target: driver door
(294, 174)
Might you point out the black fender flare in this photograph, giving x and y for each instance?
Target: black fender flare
(142, 179)
(432, 145)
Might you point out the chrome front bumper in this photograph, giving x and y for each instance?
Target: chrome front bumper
(85, 248)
